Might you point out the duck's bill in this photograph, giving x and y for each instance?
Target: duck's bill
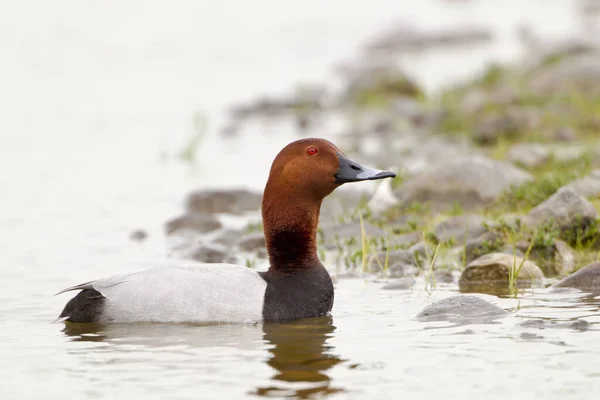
(350, 171)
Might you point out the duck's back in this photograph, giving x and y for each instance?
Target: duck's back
(201, 293)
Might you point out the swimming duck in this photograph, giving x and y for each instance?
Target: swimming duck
(295, 286)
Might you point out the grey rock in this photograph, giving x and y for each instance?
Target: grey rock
(471, 182)
(490, 274)
(479, 246)
(406, 38)
(566, 209)
(341, 202)
(577, 74)
(443, 276)
(210, 253)
(139, 235)
(401, 270)
(528, 154)
(586, 279)
(198, 223)
(403, 257)
(253, 242)
(400, 284)
(564, 258)
(462, 309)
(406, 239)
(587, 186)
(419, 154)
(228, 237)
(507, 124)
(234, 201)
(422, 250)
(460, 228)
(565, 134)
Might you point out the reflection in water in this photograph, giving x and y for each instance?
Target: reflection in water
(301, 356)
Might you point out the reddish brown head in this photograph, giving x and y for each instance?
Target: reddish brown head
(302, 175)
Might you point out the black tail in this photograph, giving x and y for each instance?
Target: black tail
(87, 306)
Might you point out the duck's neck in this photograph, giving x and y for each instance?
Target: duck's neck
(290, 225)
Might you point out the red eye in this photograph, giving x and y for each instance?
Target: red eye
(311, 151)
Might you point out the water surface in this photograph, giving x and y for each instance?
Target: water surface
(98, 98)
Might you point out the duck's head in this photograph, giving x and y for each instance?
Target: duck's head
(315, 167)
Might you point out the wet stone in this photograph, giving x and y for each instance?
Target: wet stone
(564, 258)
(566, 209)
(399, 284)
(486, 243)
(199, 223)
(462, 309)
(586, 279)
(490, 274)
(235, 201)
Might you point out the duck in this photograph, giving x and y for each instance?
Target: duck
(296, 285)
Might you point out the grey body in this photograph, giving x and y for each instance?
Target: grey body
(202, 293)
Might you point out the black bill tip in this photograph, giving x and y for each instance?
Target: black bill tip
(350, 171)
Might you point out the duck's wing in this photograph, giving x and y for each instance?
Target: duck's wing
(202, 293)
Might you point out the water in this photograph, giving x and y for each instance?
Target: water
(98, 98)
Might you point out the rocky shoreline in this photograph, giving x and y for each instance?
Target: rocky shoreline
(498, 180)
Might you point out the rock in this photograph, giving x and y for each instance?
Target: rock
(485, 243)
(139, 235)
(565, 209)
(401, 270)
(462, 309)
(400, 284)
(199, 223)
(565, 134)
(586, 279)
(403, 257)
(339, 203)
(443, 276)
(420, 154)
(470, 182)
(382, 83)
(406, 38)
(576, 74)
(235, 201)
(460, 228)
(490, 274)
(405, 239)
(507, 124)
(383, 198)
(422, 250)
(253, 242)
(210, 253)
(228, 237)
(564, 258)
(588, 186)
(528, 154)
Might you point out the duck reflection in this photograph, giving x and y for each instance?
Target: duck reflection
(301, 357)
